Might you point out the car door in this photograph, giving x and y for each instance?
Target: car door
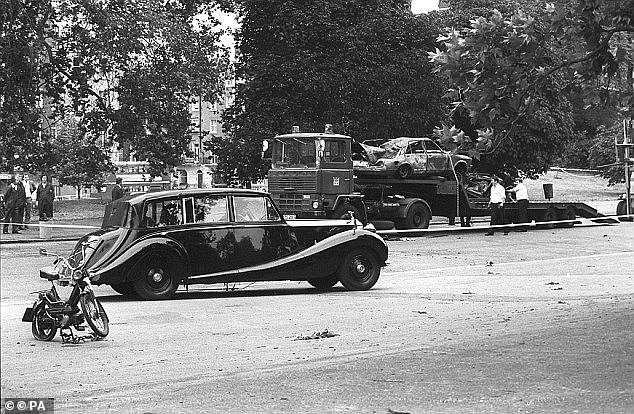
(336, 167)
(438, 161)
(417, 157)
(261, 236)
(207, 238)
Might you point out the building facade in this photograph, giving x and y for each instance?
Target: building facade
(206, 126)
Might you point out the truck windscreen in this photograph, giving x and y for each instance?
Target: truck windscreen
(294, 153)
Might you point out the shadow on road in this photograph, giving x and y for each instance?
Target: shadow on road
(220, 294)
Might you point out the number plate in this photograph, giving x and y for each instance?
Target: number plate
(290, 216)
(28, 315)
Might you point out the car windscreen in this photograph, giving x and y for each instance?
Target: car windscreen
(116, 215)
(294, 152)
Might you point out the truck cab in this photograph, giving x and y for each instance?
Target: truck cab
(311, 175)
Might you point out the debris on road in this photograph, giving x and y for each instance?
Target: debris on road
(316, 335)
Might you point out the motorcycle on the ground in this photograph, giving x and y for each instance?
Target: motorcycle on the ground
(50, 312)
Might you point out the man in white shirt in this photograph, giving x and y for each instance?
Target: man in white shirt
(28, 191)
(496, 204)
(521, 195)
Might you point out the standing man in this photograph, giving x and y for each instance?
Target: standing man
(117, 190)
(521, 195)
(496, 204)
(28, 191)
(45, 196)
(21, 203)
(11, 202)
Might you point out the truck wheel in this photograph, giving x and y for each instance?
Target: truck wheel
(549, 215)
(342, 211)
(404, 171)
(418, 217)
(360, 269)
(569, 214)
(621, 210)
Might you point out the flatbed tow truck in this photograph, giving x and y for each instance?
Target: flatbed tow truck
(312, 176)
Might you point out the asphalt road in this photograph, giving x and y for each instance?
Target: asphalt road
(530, 322)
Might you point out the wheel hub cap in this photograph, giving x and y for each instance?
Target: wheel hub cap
(360, 268)
(157, 277)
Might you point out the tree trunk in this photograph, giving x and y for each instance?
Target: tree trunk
(78, 187)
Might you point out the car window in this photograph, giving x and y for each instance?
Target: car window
(416, 147)
(165, 212)
(116, 215)
(335, 151)
(211, 209)
(248, 209)
(432, 146)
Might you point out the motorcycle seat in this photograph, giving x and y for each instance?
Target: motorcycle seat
(49, 273)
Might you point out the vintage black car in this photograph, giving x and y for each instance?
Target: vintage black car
(151, 243)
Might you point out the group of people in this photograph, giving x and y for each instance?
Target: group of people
(497, 198)
(19, 198)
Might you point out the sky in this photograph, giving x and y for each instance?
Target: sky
(423, 6)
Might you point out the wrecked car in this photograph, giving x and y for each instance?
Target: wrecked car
(407, 157)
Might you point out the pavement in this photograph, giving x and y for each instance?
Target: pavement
(52, 230)
(68, 230)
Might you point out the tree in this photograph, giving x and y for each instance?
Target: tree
(80, 162)
(512, 74)
(358, 65)
(73, 54)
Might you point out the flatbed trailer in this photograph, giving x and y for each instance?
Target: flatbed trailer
(409, 203)
(538, 211)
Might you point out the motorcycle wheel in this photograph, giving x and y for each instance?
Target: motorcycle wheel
(43, 327)
(95, 314)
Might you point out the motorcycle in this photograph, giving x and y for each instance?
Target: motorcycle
(50, 313)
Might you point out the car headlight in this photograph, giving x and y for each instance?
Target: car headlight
(315, 204)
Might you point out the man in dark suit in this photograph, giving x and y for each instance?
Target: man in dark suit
(117, 190)
(21, 203)
(11, 205)
(45, 194)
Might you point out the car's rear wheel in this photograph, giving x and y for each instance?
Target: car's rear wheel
(125, 289)
(360, 269)
(404, 171)
(156, 278)
(324, 283)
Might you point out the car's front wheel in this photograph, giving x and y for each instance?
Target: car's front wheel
(360, 269)
(156, 278)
